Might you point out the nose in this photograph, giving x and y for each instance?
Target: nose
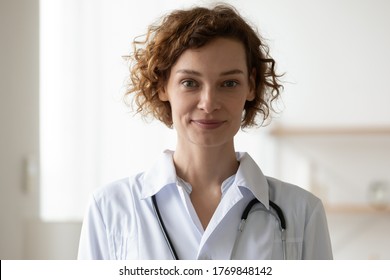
(209, 100)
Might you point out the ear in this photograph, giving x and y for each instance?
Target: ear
(162, 94)
(252, 86)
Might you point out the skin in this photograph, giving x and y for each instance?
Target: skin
(207, 89)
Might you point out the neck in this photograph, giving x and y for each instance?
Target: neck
(204, 167)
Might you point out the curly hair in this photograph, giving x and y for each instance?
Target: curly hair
(154, 56)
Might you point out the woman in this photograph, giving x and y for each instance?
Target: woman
(206, 73)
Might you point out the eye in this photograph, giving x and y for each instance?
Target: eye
(230, 84)
(189, 83)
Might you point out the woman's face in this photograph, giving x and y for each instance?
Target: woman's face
(207, 89)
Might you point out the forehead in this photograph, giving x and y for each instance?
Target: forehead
(219, 55)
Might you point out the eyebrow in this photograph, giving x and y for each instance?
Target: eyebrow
(196, 73)
(231, 72)
(187, 71)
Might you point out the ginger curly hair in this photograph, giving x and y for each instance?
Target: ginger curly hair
(154, 56)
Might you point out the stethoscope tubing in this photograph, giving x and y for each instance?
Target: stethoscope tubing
(279, 215)
(163, 228)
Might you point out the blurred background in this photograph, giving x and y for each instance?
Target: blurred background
(64, 130)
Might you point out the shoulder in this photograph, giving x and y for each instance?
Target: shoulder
(293, 198)
(280, 189)
(119, 193)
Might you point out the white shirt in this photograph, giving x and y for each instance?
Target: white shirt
(121, 223)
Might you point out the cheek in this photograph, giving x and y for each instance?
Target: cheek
(179, 108)
(237, 107)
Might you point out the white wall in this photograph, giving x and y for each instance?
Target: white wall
(335, 55)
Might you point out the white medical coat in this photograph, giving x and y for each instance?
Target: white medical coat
(120, 222)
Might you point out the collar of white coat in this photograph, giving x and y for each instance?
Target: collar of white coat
(249, 176)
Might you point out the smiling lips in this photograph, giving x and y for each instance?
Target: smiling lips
(208, 124)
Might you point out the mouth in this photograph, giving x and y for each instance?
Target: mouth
(208, 124)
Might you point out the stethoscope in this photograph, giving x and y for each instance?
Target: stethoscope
(279, 215)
